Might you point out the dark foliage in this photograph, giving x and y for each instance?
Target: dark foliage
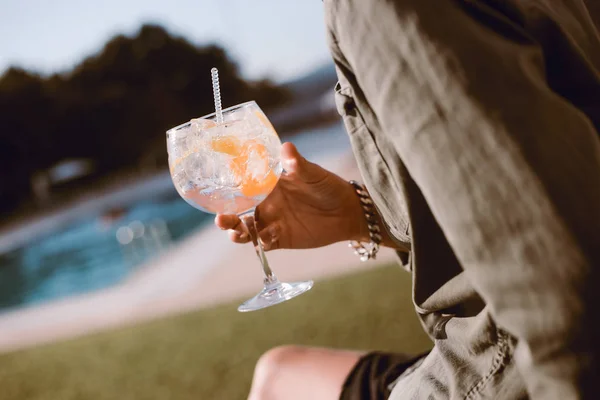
(114, 107)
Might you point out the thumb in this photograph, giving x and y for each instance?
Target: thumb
(297, 166)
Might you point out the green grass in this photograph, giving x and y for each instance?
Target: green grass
(210, 354)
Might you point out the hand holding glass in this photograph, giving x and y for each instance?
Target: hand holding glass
(230, 168)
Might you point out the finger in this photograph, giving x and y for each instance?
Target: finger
(296, 165)
(262, 223)
(238, 237)
(269, 237)
(226, 222)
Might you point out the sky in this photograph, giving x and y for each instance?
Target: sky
(276, 39)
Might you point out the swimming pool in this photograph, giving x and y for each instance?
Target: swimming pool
(100, 249)
(90, 255)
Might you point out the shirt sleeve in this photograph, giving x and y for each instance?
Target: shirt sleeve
(510, 169)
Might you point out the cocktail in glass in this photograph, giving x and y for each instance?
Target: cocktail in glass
(230, 168)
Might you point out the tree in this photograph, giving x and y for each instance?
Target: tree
(114, 107)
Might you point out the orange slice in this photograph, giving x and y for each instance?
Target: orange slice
(252, 146)
(238, 167)
(253, 187)
(226, 144)
(250, 186)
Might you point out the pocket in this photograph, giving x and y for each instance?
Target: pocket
(346, 107)
(385, 191)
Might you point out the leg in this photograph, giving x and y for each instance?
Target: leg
(295, 372)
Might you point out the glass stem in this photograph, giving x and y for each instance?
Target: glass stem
(250, 227)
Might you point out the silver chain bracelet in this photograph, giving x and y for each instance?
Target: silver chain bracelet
(368, 251)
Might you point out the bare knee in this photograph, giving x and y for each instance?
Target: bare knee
(271, 371)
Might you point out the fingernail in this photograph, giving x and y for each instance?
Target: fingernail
(243, 236)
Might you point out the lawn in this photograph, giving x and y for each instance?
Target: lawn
(210, 354)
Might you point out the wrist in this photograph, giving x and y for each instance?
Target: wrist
(357, 225)
(367, 251)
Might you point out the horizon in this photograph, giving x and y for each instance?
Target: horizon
(65, 73)
(279, 49)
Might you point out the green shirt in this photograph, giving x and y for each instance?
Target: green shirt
(475, 126)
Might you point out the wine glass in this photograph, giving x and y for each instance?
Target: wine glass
(230, 168)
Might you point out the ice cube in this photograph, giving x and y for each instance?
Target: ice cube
(234, 128)
(206, 168)
(272, 144)
(242, 123)
(199, 133)
(194, 142)
(201, 124)
(223, 171)
(237, 115)
(197, 168)
(253, 125)
(257, 165)
(177, 145)
(181, 181)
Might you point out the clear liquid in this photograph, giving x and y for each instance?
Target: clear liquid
(221, 201)
(226, 169)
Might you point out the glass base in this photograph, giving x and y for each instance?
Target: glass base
(275, 293)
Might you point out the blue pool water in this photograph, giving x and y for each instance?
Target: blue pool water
(88, 255)
(90, 252)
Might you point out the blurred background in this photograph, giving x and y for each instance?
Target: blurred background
(111, 284)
